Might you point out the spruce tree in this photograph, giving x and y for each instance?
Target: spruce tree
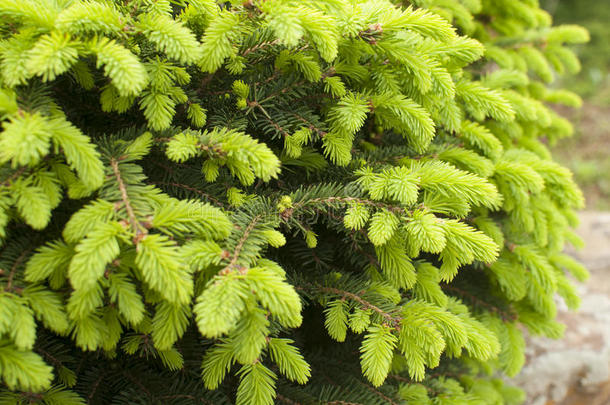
(280, 201)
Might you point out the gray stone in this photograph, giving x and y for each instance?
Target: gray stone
(576, 369)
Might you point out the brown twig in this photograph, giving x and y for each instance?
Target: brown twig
(287, 400)
(380, 394)
(13, 176)
(240, 244)
(260, 46)
(190, 188)
(347, 200)
(394, 321)
(191, 397)
(135, 224)
(11, 276)
(95, 386)
(310, 125)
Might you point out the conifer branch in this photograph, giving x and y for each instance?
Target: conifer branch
(507, 316)
(310, 125)
(139, 230)
(13, 271)
(14, 176)
(199, 399)
(282, 91)
(212, 149)
(392, 320)
(138, 383)
(240, 244)
(191, 189)
(287, 400)
(260, 46)
(347, 200)
(207, 79)
(96, 385)
(380, 395)
(401, 378)
(272, 122)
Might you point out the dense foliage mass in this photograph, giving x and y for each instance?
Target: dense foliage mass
(291, 201)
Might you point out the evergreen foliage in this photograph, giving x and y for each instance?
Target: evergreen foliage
(299, 202)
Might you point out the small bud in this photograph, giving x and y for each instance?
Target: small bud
(284, 204)
(274, 238)
(242, 103)
(311, 239)
(236, 197)
(376, 28)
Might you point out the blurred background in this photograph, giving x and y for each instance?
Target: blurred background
(587, 153)
(576, 369)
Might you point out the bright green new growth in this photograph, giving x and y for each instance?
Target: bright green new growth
(280, 201)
